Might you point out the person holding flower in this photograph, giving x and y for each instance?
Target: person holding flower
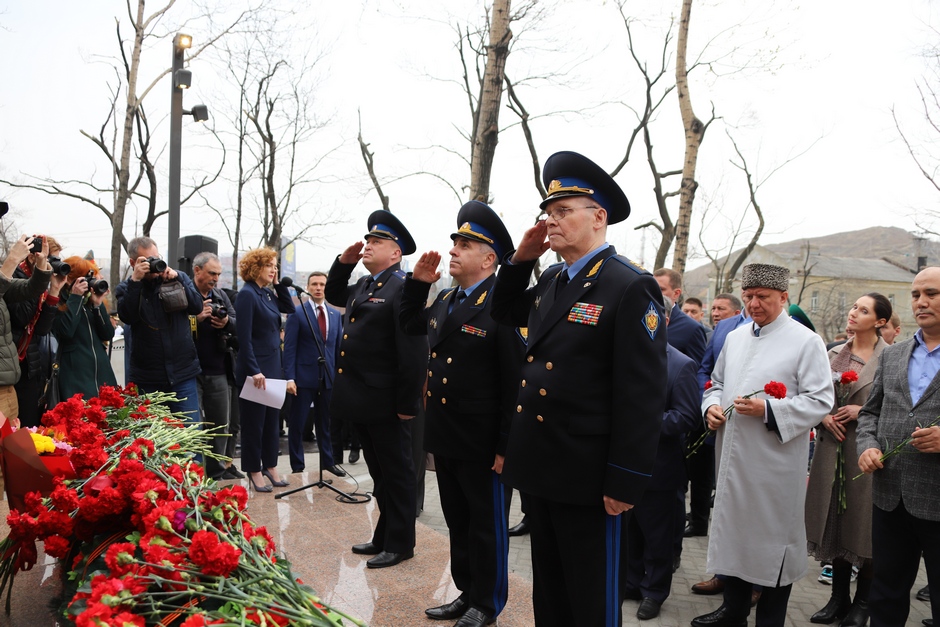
(757, 534)
(83, 327)
(899, 440)
(258, 309)
(838, 510)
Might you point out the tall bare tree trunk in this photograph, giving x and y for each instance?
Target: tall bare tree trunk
(127, 137)
(694, 132)
(487, 127)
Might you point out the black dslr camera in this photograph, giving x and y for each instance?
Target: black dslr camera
(156, 264)
(59, 267)
(98, 286)
(218, 310)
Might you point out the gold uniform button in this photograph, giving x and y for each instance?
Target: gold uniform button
(378, 285)
(342, 353)
(540, 419)
(543, 392)
(340, 371)
(443, 401)
(429, 394)
(345, 335)
(523, 383)
(518, 409)
(449, 360)
(530, 359)
(549, 366)
(444, 380)
(434, 355)
(430, 374)
(352, 319)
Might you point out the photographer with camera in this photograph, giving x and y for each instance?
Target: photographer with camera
(156, 301)
(213, 333)
(15, 290)
(83, 327)
(31, 323)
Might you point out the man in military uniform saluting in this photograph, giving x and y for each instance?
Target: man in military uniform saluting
(379, 375)
(592, 392)
(473, 376)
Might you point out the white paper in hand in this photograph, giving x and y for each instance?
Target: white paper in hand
(273, 394)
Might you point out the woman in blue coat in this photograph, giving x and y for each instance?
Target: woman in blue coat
(258, 323)
(82, 327)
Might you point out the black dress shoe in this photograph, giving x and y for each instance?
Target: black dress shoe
(354, 456)
(519, 530)
(386, 559)
(366, 549)
(719, 618)
(449, 611)
(835, 609)
(692, 531)
(336, 470)
(233, 473)
(474, 618)
(648, 609)
(927, 622)
(924, 594)
(676, 562)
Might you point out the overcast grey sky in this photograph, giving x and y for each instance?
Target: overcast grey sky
(835, 78)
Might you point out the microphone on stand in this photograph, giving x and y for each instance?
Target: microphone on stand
(289, 282)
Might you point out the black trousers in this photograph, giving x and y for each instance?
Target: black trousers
(296, 426)
(386, 447)
(771, 609)
(259, 432)
(898, 538)
(475, 505)
(701, 471)
(575, 564)
(648, 563)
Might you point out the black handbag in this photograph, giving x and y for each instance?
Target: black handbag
(52, 395)
(173, 296)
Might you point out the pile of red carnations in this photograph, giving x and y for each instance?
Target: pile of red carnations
(148, 539)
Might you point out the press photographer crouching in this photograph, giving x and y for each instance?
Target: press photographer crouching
(214, 335)
(15, 291)
(156, 302)
(31, 322)
(83, 328)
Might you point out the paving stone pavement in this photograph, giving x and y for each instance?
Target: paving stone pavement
(682, 606)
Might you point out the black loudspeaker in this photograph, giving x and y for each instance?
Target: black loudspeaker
(192, 245)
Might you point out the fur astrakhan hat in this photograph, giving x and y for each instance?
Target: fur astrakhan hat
(765, 275)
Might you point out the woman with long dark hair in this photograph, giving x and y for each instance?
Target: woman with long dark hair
(838, 509)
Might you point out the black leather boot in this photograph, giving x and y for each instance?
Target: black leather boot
(836, 609)
(857, 616)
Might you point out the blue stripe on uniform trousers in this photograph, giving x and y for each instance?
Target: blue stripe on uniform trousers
(500, 524)
(613, 570)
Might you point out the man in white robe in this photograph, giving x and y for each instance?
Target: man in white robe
(757, 533)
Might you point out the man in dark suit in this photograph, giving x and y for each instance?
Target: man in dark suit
(684, 333)
(905, 487)
(591, 396)
(473, 376)
(311, 346)
(648, 549)
(379, 375)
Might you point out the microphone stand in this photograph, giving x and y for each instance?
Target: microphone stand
(342, 497)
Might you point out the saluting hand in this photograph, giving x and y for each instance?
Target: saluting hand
(533, 243)
(426, 268)
(352, 254)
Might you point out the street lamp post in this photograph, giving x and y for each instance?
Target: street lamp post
(179, 79)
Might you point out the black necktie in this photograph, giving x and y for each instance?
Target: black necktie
(461, 296)
(561, 281)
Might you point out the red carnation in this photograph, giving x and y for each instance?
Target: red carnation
(708, 385)
(849, 376)
(57, 546)
(775, 389)
(213, 557)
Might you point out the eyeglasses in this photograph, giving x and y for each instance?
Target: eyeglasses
(560, 213)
